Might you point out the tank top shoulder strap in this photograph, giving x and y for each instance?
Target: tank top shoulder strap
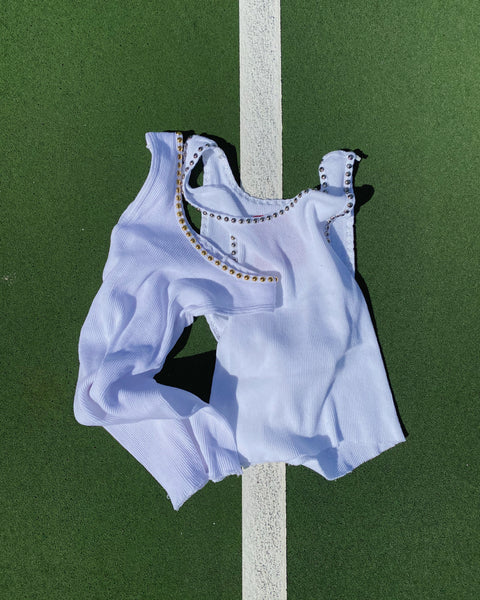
(336, 179)
(218, 192)
(159, 186)
(216, 169)
(336, 172)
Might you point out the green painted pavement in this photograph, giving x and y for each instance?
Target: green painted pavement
(80, 87)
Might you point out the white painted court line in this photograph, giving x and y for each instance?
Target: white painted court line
(260, 97)
(264, 571)
(264, 559)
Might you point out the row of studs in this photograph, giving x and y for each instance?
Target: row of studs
(191, 163)
(184, 223)
(240, 221)
(254, 220)
(347, 182)
(331, 219)
(347, 190)
(233, 245)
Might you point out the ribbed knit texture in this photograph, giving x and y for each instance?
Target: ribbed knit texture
(299, 377)
(154, 283)
(306, 383)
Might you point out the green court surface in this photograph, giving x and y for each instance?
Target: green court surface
(81, 84)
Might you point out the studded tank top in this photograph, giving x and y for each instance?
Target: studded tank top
(298, 378)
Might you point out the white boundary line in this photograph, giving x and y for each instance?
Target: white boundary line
(264, 543)
(260, 97)
(264, 564)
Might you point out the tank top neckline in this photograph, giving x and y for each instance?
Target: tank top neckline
(271, 208)
(202, 245)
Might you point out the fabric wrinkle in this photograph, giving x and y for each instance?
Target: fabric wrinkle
(299, 377)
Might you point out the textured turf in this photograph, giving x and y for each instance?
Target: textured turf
(399, 81)
(83, 82)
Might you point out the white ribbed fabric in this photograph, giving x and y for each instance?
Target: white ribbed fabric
(299, 377)
(304, 384)
(155, 282)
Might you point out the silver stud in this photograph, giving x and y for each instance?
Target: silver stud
(325, 184)
(324, 176)
(287, 208)
(348, 173)
(234, 252)
(240, 221)
(262, 219)
(346, 189)
(205, 212)
(321, 169)
(200, 149)
(275, 215)
(195, 155)
(350, 196)
(233, 220)
(280, 212)
(269, 218)
(350, 205)
(349, 166)
(212, 215)
(226, 219)
(350, 157)
(347, 181)
(292, 204)
(248, 221)
(219, 218)
(191, 162)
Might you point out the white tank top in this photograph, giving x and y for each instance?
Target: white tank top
(299, 377)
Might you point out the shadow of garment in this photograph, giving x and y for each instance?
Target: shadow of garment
(191, 373)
